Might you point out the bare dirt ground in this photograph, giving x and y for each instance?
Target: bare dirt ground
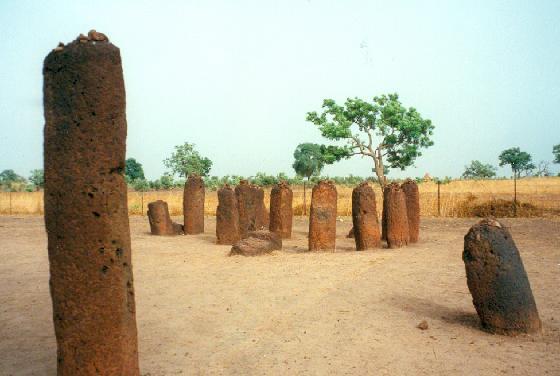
(202, 313)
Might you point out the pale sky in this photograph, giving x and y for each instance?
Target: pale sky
(238, 77)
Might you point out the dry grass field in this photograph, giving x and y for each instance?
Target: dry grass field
(200, 312)
(543, 193)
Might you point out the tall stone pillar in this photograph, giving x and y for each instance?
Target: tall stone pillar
(397, 220)
(261, 215)
(281, 212)
(227, 217)
(412, 196)
(364, 218)
(193, 205)
(86, 212)
(322, 217)
(246, 206)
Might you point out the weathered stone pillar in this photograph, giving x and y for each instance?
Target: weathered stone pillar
(261, 215)
(281, 212)
(227, 217)
(160, 220)
(384, 213)
(86, 212)
(364, 218)
(410, 189)
(322, 217)
(397, 221)
(193, 205)
(246, 206)
(497, 280)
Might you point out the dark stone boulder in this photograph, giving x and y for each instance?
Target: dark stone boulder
(497, 280)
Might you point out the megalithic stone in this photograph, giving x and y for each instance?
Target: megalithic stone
(497, 280)
(160, 220)
(397, 220)
(364, 218)
(322, 217)
(281, 212)
(261, 215)
(246, 207)
(86, 214)
(410, 189)
(227, 217)
(384, 212)
(193, 205)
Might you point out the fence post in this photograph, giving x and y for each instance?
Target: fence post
(142, 205)
(438, 199)
(10, 195)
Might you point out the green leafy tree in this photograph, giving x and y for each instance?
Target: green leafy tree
(166, 181)
(133, 170)
(479, 170)
(308, 162)
(185, 161)
(11, 181)
(140, 185)
(383, 130)
(518, 161)
(37, 178)
(556, 153)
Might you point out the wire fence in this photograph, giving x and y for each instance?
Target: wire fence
(446, 200)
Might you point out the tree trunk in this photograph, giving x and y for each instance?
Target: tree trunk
(378, 169)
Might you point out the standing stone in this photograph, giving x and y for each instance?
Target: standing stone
(160, 220)
(322, 217)
(261, 215)
(410, 189)
(227, 217)
(86, 214)
(193, 205)
(397, 221)
(281, 212)
(246, 207)
(384, 213)
(364, 218)
(497, 280)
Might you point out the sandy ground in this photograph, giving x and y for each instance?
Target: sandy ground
(200, 312)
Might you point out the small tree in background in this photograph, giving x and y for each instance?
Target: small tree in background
(556, 153)
(308, 162)
(37, 178)
(479, 170)
(11, 181)
(518, 161)
(383, 130)
(542, 169)
(134, 170)
(186, 161)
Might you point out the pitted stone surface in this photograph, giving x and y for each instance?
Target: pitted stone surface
(193, 205)
(322, 217)
(86, 213)
(364, 218)
(281, 212)
(247, 208)
(397, 220)
(160, 220)
(227, 217)
(410, 189)
(497, 280)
